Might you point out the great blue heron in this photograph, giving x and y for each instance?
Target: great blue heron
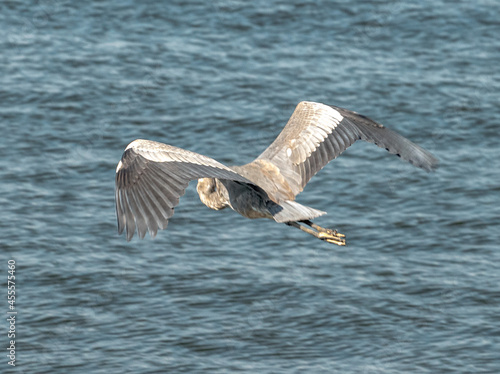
(151, 176)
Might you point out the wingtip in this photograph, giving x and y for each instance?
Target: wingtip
(432, 163)
(130, 235)
(434, 166)
(429, 166)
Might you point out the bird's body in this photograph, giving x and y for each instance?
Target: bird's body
(218, 194)
(151, 176)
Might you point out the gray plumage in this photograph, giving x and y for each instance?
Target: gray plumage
(151, 176)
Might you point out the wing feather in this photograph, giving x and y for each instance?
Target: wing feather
(158, 201)
(150, 179)
(149, 210)
(316, 134)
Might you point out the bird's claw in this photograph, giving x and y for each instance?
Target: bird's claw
(331, 236)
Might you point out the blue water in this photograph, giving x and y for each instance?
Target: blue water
(415, 291)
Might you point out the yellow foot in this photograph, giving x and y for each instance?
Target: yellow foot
(331, 236)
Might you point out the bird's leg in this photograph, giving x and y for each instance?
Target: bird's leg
(330, 236)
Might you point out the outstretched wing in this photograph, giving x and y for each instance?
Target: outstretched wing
(150, 179)
(316, 134)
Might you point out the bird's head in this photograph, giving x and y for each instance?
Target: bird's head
(206, 186)
(210, 195)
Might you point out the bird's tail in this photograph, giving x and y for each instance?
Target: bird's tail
(287, 211)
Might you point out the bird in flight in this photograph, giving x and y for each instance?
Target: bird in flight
(152, 176)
